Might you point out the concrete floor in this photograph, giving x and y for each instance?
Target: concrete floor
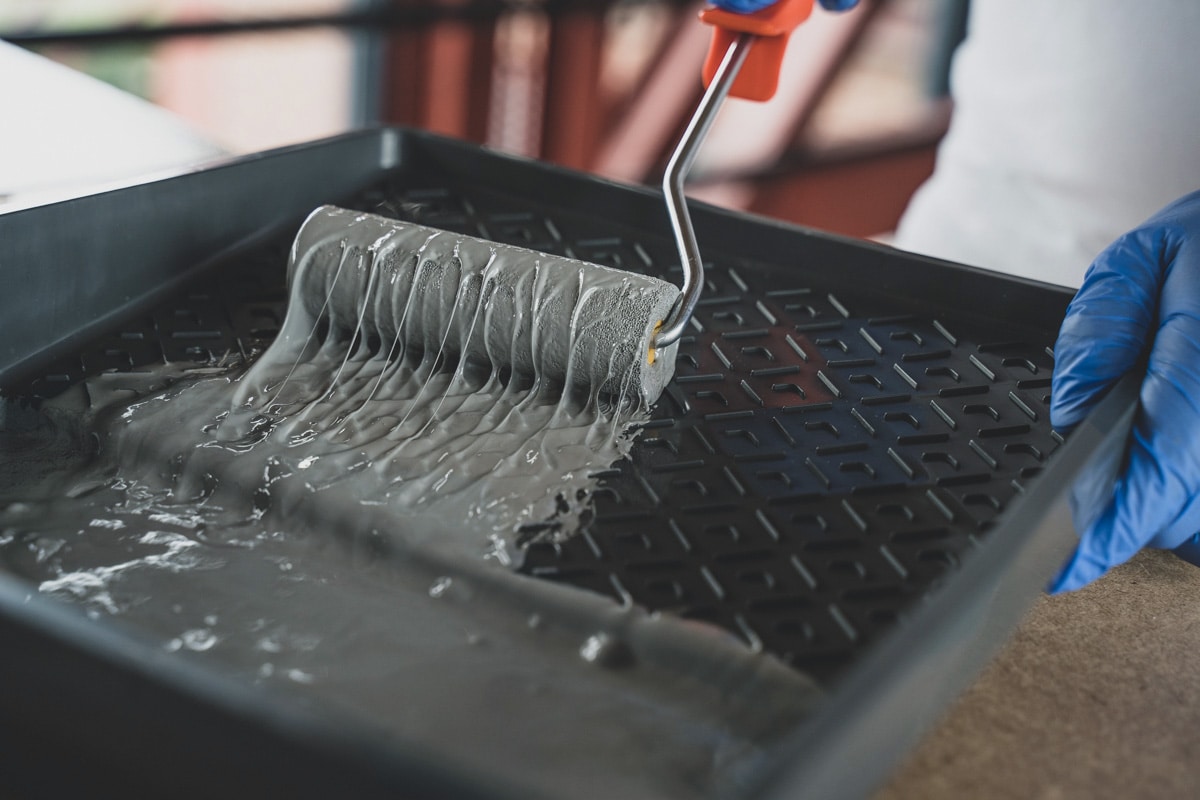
(1096, 696)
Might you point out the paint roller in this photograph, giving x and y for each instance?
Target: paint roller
(553, 323)
(550, 324)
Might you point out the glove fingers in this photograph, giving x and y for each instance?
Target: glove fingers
(1107, 325)
(1119, 533)
(1145, 286)
(1156, 502)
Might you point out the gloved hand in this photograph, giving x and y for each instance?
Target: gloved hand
(1139, 310)
(750, 6)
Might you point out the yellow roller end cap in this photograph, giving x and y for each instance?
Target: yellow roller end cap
(652, 354)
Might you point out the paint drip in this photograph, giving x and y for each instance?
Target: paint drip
(323, 520)
(453, 391)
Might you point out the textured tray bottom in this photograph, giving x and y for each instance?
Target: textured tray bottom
(819, 460)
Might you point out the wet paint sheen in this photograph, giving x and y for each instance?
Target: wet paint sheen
(339, 519)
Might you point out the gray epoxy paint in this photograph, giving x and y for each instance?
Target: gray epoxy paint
(338, 525)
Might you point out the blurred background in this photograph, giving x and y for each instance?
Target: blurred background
(596, 85)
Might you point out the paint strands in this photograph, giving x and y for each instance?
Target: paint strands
(451, 388)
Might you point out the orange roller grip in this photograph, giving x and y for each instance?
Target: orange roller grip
(771, 26)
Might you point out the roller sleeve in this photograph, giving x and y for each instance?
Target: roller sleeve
(554, 321)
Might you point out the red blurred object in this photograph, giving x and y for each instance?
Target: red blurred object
(771, 27)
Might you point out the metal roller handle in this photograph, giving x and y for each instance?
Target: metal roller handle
(672, 185)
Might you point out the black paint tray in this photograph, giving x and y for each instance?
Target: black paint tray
(852, 470)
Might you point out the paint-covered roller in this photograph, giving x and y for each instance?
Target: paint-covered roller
(549, 322)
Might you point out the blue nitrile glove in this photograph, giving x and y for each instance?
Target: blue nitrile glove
(750, 6)
(1139, 310)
